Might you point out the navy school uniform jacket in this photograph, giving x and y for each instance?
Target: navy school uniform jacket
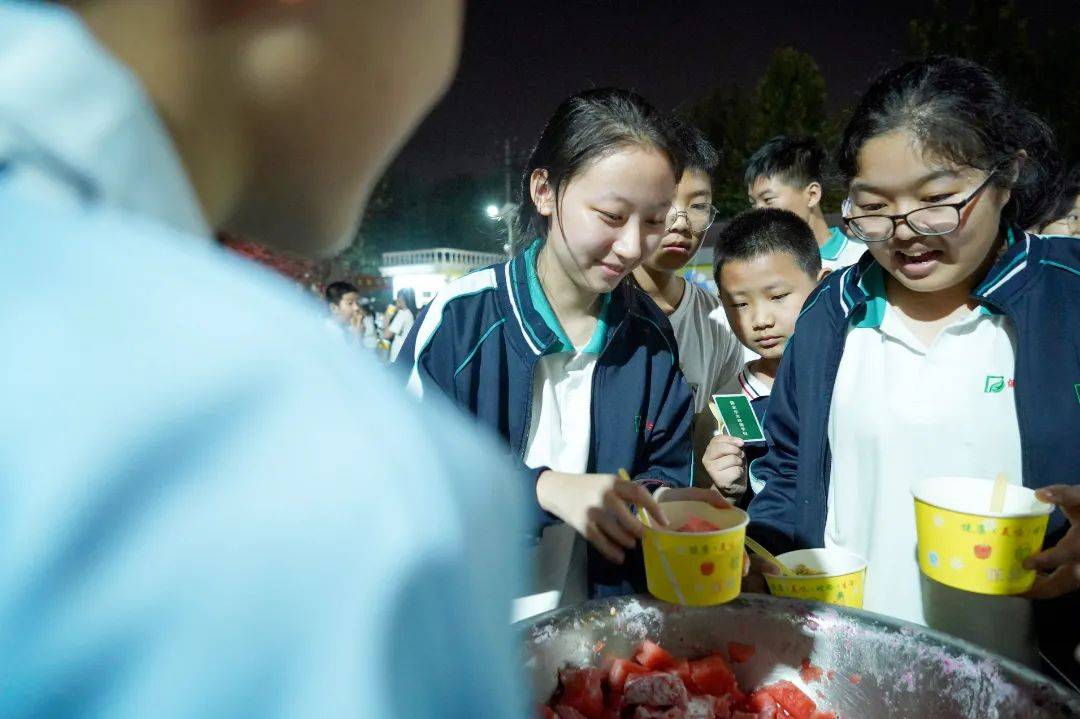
(479, 342)
(1036, 283)
(755, 450)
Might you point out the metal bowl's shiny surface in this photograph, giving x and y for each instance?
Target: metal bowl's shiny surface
(880, 667)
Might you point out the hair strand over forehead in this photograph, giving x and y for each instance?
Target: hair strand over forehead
(586, 128)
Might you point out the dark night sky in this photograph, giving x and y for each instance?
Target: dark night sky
(520, 59)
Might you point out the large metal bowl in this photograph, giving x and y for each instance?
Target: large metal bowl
(880, 667)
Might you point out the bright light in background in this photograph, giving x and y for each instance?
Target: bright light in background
(492, 211)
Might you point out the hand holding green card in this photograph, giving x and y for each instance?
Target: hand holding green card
(739, 418)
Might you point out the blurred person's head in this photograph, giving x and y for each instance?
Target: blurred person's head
(598, 187)
(767, 263)
(1064, 217)
(692, 212)
(285, 112)
(344, 300)
(787, 173)
(406, 300)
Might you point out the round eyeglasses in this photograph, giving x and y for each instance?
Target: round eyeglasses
(698, 216)
(932, 220)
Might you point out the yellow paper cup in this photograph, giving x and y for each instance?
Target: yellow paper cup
(844, 575)
(696, 569)
(963, 545)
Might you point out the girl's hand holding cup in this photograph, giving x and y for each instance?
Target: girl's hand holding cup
(1059, 565)
(598, 507)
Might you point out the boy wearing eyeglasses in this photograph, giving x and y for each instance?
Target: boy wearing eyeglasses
(786, 173)
(709, 353)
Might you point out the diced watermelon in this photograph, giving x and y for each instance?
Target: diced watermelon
(682, 670)
(656, 689)
(702, 689)
(740, 653)
(654, 713)
(583, 691)
(620, 670)
(762, 704)
(712, 675)
(701, 707)
(615, 704)
(722, 707)
(696, 524)
(809, 673)
(759, 700)
(566, 712)
(792, 699)
(653, 656)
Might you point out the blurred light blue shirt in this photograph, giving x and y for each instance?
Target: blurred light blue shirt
(208, 505)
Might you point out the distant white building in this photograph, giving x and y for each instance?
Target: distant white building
(426, 271)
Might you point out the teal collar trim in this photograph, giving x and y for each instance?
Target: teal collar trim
(872, 283)
(1010, 238)
(540, 302)
(837, 242)
(1020, 256)
(596, 342)
(872, 312)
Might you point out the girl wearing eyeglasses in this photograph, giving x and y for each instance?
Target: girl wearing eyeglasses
(571, 365)
(951, 348)
(709, 353)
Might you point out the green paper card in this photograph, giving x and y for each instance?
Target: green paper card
(739, 418)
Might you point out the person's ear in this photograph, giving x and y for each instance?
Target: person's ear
(1017, 165)
(812, 193)
(1013, 173)
(543, 195)
(823, 273)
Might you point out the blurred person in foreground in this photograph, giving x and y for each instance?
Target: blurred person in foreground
(186, 465)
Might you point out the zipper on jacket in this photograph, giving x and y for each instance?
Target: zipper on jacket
(594, 391)
(534, 360)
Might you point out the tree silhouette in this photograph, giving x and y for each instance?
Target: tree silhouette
(1043, 72)
(790, 98)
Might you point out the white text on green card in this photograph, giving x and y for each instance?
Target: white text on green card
(739, 417)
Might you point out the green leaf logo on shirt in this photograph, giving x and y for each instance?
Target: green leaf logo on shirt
(1077, 388)
(994, 384)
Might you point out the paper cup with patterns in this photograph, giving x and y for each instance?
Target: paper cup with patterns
(965, 546)
(696, 568)
(840, 577)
